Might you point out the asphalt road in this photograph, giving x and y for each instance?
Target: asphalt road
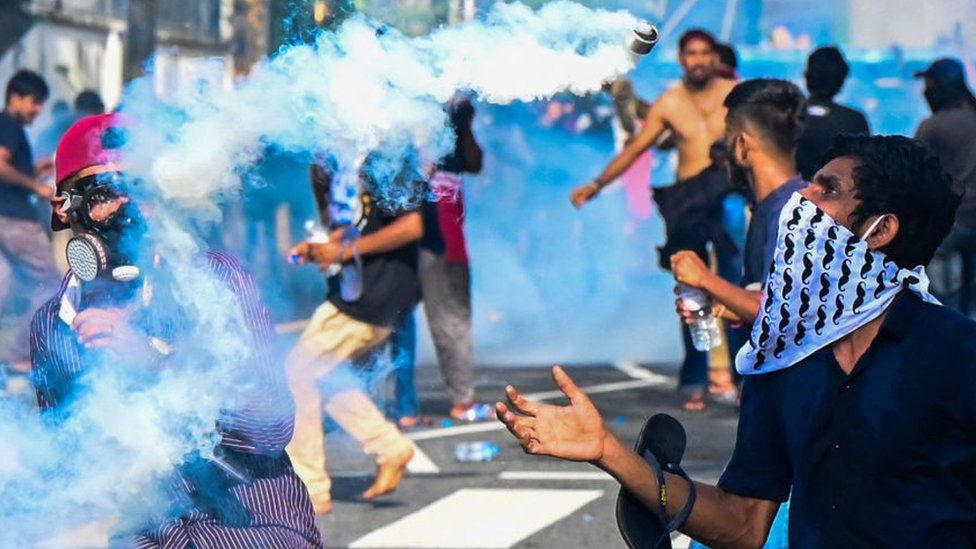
(515, 500)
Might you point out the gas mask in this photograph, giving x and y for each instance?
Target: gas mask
(108, 227)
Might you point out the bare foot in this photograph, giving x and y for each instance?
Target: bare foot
(389, 474)
(409, 422)
(720, 382)
(458, 410)
(695, 402)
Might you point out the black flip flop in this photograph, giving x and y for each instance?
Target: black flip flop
(662, 443)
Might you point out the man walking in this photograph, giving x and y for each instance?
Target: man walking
(25, 249)
(371, 294)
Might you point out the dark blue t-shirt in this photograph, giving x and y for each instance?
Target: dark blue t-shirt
(882, 457)
(15, 200)
(763, 231)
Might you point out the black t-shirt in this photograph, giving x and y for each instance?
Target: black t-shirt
(391, 288)
(825, 120)
(461, 117)
(15, 200)
(951, 134)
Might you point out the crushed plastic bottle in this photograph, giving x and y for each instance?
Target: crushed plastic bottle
(476, 451)
(478, 412)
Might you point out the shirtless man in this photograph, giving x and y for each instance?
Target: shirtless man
(692, 110)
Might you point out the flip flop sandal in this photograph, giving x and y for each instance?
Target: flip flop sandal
(662, 444)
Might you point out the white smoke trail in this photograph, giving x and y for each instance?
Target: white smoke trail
(345, 95)
(352, 92)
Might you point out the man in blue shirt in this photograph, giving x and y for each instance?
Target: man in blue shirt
(873, 435)
(25, 248)
(764, 122)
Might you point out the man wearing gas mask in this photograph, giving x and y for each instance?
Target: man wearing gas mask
(858, 399)
(117, 306)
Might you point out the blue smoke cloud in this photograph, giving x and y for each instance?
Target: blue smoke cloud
(346, 95)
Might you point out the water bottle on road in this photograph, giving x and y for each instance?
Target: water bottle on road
(705, 334)
(476, 451)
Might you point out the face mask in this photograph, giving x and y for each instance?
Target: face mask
(941, 97)
(738, 175)
(824, 283)
(110, 224)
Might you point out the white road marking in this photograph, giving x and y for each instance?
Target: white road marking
(601, 388)
(554, 475)
(636, 371)
(421, 463)
(475, 518)
(492, 425)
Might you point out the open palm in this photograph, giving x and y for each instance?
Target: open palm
(573, 432)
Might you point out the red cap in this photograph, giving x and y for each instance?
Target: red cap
(91, 146)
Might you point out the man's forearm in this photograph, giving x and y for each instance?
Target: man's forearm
(618, 165)
(406, 229)
(744, 303)
(718, 519)
(11, 176)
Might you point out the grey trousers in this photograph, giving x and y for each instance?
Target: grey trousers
(25, 252)
(446, 291)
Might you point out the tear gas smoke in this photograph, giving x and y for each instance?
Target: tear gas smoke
(345, 95)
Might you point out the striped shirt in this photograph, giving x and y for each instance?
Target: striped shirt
(279, 507)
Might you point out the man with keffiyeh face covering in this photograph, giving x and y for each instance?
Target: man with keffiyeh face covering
(865, 417)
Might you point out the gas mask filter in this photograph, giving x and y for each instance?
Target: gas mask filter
(108, 222)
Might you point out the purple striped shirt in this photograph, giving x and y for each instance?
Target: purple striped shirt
(262, 425)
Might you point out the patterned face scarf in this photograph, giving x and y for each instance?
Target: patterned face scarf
(824, 283)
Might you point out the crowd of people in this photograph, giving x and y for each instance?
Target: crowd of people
(855, 398)
(853, 384)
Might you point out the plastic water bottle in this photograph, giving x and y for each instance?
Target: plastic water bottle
(478, 412)
(476, 451)
(351, 281)
(705, 334)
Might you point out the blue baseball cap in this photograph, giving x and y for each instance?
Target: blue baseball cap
(946, 70)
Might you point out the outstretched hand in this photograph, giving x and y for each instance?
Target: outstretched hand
(573, 432)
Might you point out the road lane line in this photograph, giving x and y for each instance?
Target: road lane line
(479, 519)
(554, 475)
(421, 463)
(493, 425)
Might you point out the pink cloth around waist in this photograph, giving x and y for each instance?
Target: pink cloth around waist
(450, 215)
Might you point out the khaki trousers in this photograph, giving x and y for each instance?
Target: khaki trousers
(330, 339)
